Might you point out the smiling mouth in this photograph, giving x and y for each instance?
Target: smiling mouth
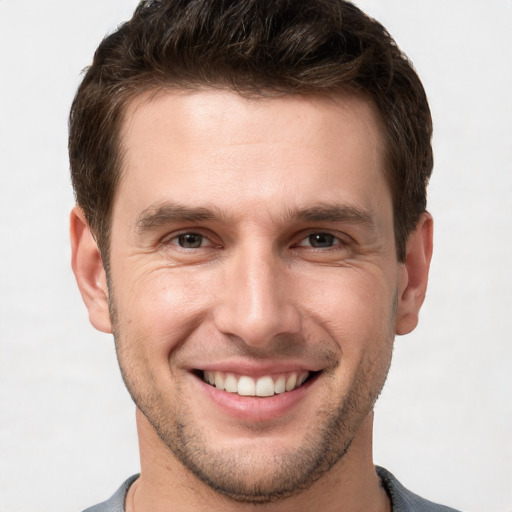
(265, 386)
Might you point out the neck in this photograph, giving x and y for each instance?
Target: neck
(352, 485)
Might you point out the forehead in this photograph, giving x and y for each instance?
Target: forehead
(194, 113)
(219, 147)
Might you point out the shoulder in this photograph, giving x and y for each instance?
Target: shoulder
(405, 501)
(116, 502)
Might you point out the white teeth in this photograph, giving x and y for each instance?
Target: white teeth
(265, 386)
(247, 386)
(300, 379)
(219, 381)
(291, 381)
(230, 384)
(280, 385)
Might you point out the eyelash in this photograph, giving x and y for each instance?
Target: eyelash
(174, 240)
(335, 241)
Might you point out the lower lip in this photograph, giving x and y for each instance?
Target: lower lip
(255, 409)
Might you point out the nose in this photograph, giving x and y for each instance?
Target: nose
(256, 304)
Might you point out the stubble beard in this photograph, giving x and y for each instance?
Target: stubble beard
(266, 478)
(246, 478)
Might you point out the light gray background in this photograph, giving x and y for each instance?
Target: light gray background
(443, 424)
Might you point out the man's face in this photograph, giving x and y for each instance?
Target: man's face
(252, 248)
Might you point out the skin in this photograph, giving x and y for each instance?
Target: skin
(292, 267)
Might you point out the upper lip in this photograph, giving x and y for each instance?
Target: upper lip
(256, 369)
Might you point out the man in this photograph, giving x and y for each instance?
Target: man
(251, 226)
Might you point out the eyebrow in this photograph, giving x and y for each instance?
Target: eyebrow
(334, 213)
(158, 215)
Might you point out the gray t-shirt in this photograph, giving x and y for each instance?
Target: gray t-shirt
(402, 500)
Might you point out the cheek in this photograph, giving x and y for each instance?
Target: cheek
(356, 308)
(160, 309)
(358, 316)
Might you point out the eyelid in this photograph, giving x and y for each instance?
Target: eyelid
(339, 238)
(172, 239)
(175, 240)
(212, 240)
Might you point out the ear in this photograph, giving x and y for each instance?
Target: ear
(89, 272)
(413, 281)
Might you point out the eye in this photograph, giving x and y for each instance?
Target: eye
(190, 240)
(319, 241)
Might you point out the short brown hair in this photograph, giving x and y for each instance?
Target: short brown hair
(258, 48)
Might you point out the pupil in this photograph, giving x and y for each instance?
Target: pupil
(190, 240)
(321, 240)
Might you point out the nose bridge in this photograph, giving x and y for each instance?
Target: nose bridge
(257, 305)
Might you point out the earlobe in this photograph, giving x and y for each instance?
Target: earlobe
(414, 278)
(89, 271)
